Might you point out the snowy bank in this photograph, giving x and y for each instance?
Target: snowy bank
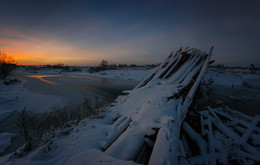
(233, 77)
(5, 140)
(15, 97)
(136, 74)
(9, 96)
(128, 73)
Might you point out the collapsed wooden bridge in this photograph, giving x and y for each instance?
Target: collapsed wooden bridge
(151, 124)
(150, 131)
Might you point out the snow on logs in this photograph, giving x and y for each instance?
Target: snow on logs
(229, 136)
(152, 125)
(147, 125)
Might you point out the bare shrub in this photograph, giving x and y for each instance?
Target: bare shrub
(245, 84)
(39, 129)
(103, 64)
(7, 64)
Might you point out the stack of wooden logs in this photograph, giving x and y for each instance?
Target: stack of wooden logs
(220, 136)
(177, 78)
(160, 129)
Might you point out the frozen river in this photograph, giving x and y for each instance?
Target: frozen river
(49, 90)
(76, 87)
(44, 91)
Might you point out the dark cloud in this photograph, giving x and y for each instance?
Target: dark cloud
(153, 27)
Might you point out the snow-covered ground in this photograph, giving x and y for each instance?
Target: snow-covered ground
(137, 74)
(78, 144)
(235, 77)
(8, 95)
(15, 97)
(127, 73)
(5, 140)
(236, 88)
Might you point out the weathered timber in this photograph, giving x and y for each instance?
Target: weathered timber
(152, 130)
(229, 137)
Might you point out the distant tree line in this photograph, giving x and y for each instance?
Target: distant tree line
(61, 67)
(222, 66)
(104, 65)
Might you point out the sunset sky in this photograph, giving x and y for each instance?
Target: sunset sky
(42, 32)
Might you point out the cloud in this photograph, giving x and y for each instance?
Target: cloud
(30, 49)
(132, 31)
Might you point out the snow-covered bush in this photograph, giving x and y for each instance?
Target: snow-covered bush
(10, 80)
(39, 129)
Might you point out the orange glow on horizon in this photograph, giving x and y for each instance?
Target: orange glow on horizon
(30, 50)
(38, 59)
(43, 49)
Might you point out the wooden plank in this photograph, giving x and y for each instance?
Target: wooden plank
(185, 68)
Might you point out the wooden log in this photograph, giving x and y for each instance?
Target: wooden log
(185, 69)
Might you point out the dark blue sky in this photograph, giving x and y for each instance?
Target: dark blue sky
(85, 32)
